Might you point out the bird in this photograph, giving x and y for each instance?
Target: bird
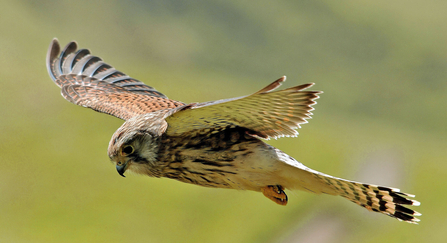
(218, 144)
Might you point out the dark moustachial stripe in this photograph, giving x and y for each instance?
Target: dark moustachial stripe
(138, 159)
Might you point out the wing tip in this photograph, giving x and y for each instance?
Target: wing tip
(69, 48)
(53, 52)
(275, 84)
(306, 86)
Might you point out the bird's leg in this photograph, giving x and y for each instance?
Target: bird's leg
(275, 193)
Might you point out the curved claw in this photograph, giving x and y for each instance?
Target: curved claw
(275, 193)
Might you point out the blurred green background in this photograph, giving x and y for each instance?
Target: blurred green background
(382, 118)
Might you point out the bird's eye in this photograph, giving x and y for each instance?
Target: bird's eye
(128, 149)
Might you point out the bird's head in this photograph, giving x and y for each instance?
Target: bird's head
(134, 145)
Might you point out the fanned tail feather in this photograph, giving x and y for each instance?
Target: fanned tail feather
(386, 200)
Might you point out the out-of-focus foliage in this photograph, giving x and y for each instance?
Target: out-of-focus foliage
(381, 64)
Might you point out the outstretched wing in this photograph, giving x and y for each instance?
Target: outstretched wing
(86, 80)
(265, 113)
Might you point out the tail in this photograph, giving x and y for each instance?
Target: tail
(386, 200)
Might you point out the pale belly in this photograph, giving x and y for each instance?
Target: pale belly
(245, 166)
(229, 159)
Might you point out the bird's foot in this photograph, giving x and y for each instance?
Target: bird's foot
(275, 193)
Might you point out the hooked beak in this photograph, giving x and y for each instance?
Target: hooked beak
(121, 169)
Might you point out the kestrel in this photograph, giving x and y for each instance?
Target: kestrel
(213, 144)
